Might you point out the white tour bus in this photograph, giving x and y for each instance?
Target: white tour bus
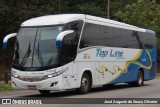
(77, 51)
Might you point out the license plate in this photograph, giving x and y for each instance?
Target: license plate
(31, 87)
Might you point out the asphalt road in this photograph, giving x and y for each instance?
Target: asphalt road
(151, 89)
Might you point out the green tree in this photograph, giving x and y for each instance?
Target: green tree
(143, 13)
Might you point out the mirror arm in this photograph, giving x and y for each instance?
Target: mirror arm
(5, 40)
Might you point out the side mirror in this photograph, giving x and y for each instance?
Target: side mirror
(61, 36)
(5, 40)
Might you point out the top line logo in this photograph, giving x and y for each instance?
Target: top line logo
(111, 53)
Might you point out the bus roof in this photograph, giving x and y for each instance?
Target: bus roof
(65, 18)
(52, 19)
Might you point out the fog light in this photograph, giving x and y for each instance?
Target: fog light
(54, 83)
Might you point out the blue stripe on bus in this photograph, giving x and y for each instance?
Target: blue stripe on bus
(131, 74)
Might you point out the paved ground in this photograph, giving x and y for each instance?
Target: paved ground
(151, 89)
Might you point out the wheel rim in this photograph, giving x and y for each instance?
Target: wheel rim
(85, 83)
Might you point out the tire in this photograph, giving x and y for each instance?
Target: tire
(44, 92)
(85, 84)
(140, 80)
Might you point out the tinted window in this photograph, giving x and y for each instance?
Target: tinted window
(99, 35)
(117, 38)
(148, 40)
(94, 35)
(75, 25)
(132, 39)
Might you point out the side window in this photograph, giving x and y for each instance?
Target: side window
(109, 37)
(131, 39)
(94, 35)
(148, 40)
(70, 42)
(74, 25)
(88, 37)
(142, 38)
(117, 38)
(99, 35)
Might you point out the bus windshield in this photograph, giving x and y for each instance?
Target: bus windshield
(36, 47)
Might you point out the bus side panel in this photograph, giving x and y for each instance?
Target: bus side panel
(86, 66)
(113, 69)
(154, 60)
(146, 61)
(152, 72)
(127, 76)
(111, 72)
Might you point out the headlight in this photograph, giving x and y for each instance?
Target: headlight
(50, 76)
(14, 75)
(56, 73)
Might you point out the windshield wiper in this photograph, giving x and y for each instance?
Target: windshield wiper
(25, 56)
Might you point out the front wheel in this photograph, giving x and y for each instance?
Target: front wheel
(44, 92)
(85, 84)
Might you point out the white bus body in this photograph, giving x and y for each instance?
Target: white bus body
(102, 64)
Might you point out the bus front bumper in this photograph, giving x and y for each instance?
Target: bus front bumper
(47, 84)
